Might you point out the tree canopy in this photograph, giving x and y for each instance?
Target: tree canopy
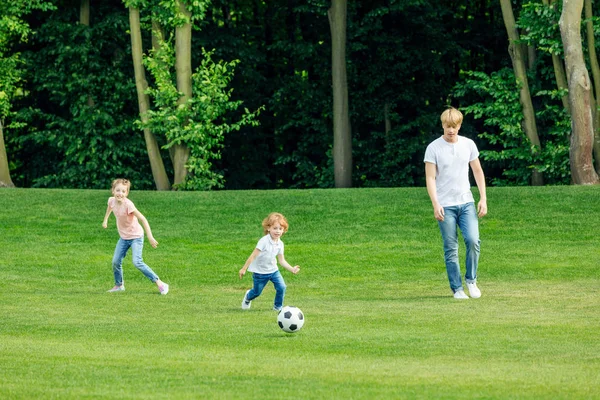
(261, 111)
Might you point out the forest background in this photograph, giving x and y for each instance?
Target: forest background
(245, 91)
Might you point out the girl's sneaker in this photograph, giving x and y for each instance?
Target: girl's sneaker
(117, 289)
(460, 295)
(163, 289)
(246, 303)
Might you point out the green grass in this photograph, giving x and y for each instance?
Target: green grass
(380, 319)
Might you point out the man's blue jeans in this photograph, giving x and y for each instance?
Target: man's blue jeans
(463, 216)
(137, 246)
(260, 281)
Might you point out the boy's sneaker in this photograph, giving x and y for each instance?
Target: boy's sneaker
(163, 289)
(117, 289)
(474, 290)
(245, 303)
(460, 295)
(276, 308)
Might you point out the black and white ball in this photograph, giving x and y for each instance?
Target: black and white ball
(290, 319)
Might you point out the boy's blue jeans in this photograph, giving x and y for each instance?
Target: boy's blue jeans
(136, 251)
(260, 281)
(463, 216)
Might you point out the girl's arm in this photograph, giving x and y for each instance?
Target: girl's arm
(146, 226)
(105, 222)
(254, 254)
(286, 265)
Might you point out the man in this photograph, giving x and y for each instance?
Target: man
(447, 160)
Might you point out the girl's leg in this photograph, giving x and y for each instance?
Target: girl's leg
(280, 287)
(137, 246)
(117, 261)
(259, 281)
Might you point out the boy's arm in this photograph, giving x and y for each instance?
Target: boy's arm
(480, 180)
(254, 254)
(146, 226)
(286, 265)
(430, 171)
(106, 215)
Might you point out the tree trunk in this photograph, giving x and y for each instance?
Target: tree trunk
(582, 166)
(518, 60)
(342, 140)
(161, 180)
(387, 120)
(183, 68)
(559, 70)
(84, 12)
(84, 19)
(596, 74)
(4, 171)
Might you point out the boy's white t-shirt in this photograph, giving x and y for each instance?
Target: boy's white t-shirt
(266, 261)
(452, 172)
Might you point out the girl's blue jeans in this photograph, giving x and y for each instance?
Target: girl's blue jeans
(136, 251)
(260, 281)
(463, 217)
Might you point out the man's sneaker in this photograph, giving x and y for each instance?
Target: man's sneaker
(276, 308)
(474, 290)
(163, 289)
(117, 289)
(460, 295)
(245, 303)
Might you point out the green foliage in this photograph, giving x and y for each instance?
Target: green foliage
(497, 104)
(202, 121)
(538, 25)
(82, 118)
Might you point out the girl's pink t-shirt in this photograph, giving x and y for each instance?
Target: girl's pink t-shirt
(127, 223)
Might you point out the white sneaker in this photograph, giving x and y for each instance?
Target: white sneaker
(117, 289)
(474, 290)
(460, 295)
(245, 303)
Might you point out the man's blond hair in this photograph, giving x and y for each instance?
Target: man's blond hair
(451, 117)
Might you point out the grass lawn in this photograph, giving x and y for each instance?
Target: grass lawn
(380, 319)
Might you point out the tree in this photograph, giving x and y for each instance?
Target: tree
(13, 29)
(183, 68)
(591, 42)
(159, 173)
(580, 99)
(518, 58)
(342, 140)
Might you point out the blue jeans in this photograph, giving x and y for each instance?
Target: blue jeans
(463, 216)
(136, 250)
(260, 281)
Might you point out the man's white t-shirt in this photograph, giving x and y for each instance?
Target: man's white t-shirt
(266, 261)
(452, 172)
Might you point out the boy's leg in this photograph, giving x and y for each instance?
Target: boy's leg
(259, 281)
(117, 261)
(137, 246)
(280, 287)
(469, 226)
(449, 233)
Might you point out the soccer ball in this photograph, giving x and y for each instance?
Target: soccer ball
(290, 319)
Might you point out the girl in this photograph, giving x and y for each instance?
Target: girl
(263, 264)
(132, 235)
